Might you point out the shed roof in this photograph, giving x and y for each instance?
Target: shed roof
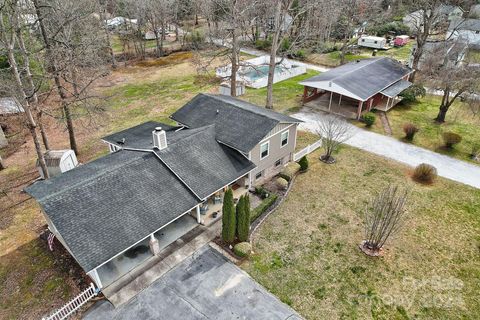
(361, 79)
(464, 24)
(10, 105)
(238, 124)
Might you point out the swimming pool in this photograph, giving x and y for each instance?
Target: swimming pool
(254, 72)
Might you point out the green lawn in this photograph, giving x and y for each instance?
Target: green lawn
(287, 94)
(306, 252)
(460, 120)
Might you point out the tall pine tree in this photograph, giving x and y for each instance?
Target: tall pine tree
(228, 217)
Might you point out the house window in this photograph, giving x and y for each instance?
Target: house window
(477, 32)
(264, 150)
(259, 175)
(278, 162)
(284, 138)
(375, 42)
(363, 40)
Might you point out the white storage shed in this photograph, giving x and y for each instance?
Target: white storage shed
(58, 162)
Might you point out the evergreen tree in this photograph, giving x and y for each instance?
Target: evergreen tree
(303, 163)
(228, 217)
(243, 218)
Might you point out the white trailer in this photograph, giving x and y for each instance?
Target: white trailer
(373, 42)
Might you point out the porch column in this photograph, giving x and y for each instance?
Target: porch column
(154, 247)
(370, 105)
(388, 102)
(330, 103)
(359, 111)
(305, 94)
(96, 278)
(199, 217)
(340, 100)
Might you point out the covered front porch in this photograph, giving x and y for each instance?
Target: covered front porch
(335, 103)
(210, 210)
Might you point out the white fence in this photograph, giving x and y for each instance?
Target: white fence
(314, 146)
(74, 304)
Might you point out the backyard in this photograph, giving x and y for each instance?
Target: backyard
(307, 252)
(460, 120)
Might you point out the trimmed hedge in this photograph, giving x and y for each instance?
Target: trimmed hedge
(281, 183)
(242, 249)
(266, 203)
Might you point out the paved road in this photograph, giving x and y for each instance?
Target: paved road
(388, 147)
(204, 286)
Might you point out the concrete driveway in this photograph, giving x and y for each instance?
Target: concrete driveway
(204, 286)
(409, 154)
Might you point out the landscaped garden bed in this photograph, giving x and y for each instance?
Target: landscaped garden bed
(307, 251)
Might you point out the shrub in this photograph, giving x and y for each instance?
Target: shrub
(243, 218)
(242, 249)
(228, 217)
(303, 164)
(281, 183)
(266, 203)
(412, 93)
(369, 118)
(299, 54)
(261, 192)
(195, 40)
(425, 173)
(263, 44)
(289, 171)
(451, 139)
(410, 130)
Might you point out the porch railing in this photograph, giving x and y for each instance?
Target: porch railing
(308, 149)
(73, 305)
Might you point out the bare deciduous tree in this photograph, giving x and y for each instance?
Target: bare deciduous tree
(383, 218)
(446, 70)
(333, 131)
(9, 25)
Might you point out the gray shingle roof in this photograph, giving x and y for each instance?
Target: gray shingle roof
(465, 24)
(103, 207)
(396, 88)
(364, 78)
(238, 124)
(204, 165)
(138, 137)
(10, 105)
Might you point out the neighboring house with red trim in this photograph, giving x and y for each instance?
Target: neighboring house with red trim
(357, 87)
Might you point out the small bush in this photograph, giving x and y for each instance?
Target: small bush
(411, 94)
(242, 249)
(281, 183)
(266, 203)
(450, 139)
(299, 55)
(261, 192)
(410, 130)
(369, 118)
(303, 164)
(263, 44)
(425, 173)
(289, 171)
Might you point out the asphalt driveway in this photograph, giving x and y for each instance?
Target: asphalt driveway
(204, 286)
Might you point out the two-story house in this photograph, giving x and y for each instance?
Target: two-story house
(159, 182)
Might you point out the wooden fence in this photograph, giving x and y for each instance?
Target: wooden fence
(73, 305)
(308, 149)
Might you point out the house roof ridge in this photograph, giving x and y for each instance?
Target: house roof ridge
(371, 60)
(89, 178)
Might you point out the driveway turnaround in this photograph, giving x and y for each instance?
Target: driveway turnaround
(409, 154)
(204, 286)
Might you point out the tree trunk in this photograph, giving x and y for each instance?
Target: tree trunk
(56, 76)
(273, 56)
(442, 113)
(32, 91)
(107, 37)
(233, 77)
(28, 113)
